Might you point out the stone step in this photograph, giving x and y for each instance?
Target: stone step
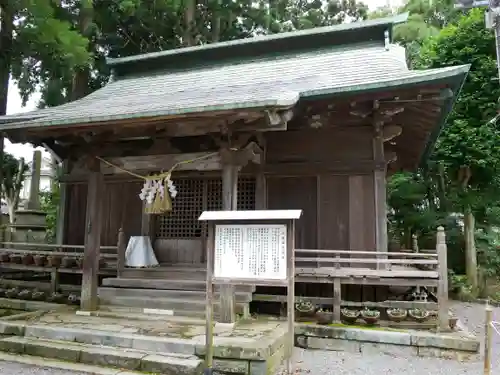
(178, 284)
(159, 344)
(166, 273)
(187, 295)
(179, 306)
(135, 360)
(135, 313)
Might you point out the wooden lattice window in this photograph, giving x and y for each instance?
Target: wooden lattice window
(196, 195)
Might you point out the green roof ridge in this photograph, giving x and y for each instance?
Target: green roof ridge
(352, 26)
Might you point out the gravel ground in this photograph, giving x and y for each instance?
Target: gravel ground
(339, 363)
(10, 368)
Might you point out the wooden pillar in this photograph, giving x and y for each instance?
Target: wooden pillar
(290, 243)
(337, 299)
(380, 194)
(260, 192)
(261, 185)
(89, 300)
(61, 212)
(229, 203)
(54, 280)
(232, 160)
(442, 290)
(120, 253)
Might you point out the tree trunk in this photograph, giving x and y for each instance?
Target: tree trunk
(82, 74)
(12, 211)
(443, 201)
(470, 248)
(216, 21)
(6, 44)
(189, 18)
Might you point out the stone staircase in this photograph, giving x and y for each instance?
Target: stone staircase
(129, 354)
(177, 290)
(123, 341)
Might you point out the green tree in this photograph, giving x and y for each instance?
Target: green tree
(469, 148)
(14, 174)
(116, 28)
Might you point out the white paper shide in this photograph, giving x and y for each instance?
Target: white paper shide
(154, 187)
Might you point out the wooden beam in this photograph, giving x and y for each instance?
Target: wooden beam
(331, 167)
(169, 126)
(202, 161)
(89, 300)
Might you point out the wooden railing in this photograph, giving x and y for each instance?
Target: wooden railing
(425, 268)
(75, 252)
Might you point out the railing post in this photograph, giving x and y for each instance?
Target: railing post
(442, 290)
(120, 252)
(487, 340)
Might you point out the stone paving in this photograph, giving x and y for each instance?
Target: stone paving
(13, 368)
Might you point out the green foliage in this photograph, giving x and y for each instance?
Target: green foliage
(45, 42)
(14, 173)
(58, 41)
(462, 174)
(49, 201)
(11, 170)
(470, 143)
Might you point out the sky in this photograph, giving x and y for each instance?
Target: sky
(14, 103)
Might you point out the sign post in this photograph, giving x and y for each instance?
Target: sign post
(250, 248)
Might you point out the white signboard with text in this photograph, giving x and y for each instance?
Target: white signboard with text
(251, 252)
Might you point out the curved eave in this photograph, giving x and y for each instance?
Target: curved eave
(447, 108)
(452, 75)
(281, 102)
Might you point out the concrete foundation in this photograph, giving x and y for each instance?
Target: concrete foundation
(453, 345)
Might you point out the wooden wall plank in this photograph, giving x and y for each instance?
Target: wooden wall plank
(75, 218)
(334, 212)
(121, 208)
(316, 145)
(296, 193)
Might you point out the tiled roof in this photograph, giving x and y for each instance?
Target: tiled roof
(268, 82)
(290, 37)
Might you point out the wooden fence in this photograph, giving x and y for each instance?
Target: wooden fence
(426, 268)
(108, 253)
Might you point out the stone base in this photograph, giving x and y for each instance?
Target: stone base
(404, 343)
(34, 218)
(26, 234)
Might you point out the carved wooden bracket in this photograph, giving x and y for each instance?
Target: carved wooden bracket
(250, 153)
(391, 131)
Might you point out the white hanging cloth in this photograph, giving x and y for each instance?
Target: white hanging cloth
(140, 253)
